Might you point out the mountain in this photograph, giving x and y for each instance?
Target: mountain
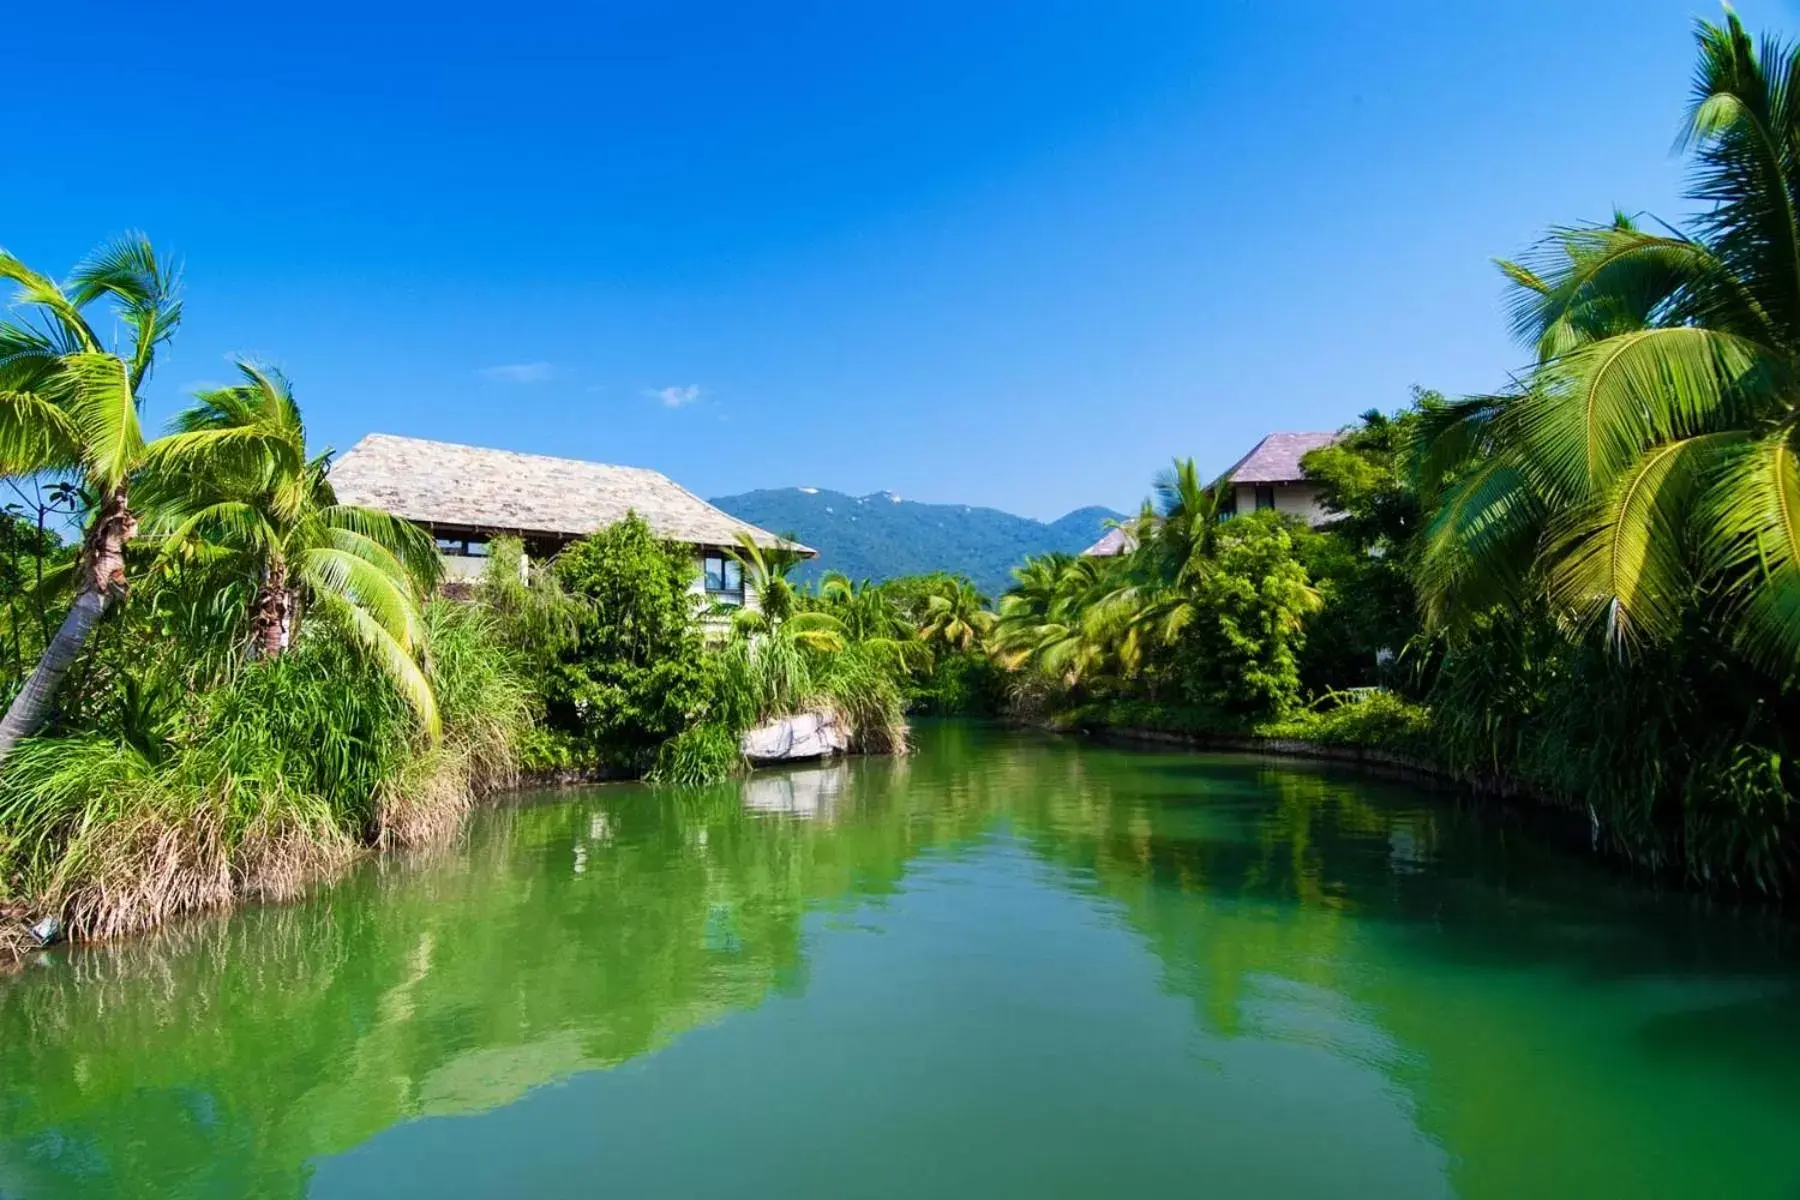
(880, 536)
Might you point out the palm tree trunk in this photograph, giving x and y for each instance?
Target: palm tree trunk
(101, 582)
(272, 613)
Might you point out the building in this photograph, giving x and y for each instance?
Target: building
(467, 495)
(1269, 477)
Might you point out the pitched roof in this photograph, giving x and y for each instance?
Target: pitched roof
(1276, 459)
(1114, 542)
(442, 483)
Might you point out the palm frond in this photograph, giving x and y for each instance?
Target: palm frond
(408, 543)
(147, 291)
(41, 292)
(1751, 520)
(393, 658)
(1622, 560)
(1589, 415)
(101, 404)
(36, 435)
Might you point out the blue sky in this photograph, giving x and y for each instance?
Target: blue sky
(1015, 254)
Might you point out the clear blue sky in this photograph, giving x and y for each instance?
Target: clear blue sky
(1014, 254)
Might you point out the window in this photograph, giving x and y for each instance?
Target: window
(724, 578)
(1265, 496)
(462, 547)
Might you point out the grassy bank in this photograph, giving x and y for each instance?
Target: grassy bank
(282, 774)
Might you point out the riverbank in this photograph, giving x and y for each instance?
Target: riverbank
(448, 788)
(1382, 735)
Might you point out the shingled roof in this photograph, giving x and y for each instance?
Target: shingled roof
(1276, 459)
(441, 483)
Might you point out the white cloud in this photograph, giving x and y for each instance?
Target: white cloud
(523, 372)
(675, 397)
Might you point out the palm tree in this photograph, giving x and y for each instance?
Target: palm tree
(868, 612)
(766, 571)
(1055, 618)
(232, 487)
(1649, 456)
(69, 406)
(1177, 541)
(956, 616)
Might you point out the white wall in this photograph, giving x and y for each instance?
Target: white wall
(1299, 499)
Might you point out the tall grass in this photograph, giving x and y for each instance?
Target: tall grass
(769, 675)
(261, 785)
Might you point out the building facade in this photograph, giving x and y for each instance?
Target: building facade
(466, 496)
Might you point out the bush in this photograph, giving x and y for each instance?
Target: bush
(964, 683)
(635, 673)
(699, 755)
(1239, 655)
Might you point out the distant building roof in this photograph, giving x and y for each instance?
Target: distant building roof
(1276, 459)
(1116, 541)
(441, 483)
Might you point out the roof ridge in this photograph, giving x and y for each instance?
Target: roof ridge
(556, 458)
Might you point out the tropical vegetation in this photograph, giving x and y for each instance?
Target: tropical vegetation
(1585, 589)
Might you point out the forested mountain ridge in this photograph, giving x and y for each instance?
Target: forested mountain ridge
(880, 535)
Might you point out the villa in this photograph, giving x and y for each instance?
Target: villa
(1269, 477)
(468, 495)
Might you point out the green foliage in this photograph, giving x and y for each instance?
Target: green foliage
(635, 673)
(698, 755)
(1239, 654)
(1372, 717)
(256, 785)
(966, 683)
(1683, 759)
(887, 539)
(1361, 560)
(237, 505)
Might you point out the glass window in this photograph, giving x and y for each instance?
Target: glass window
(1265, 496)
(724, 578)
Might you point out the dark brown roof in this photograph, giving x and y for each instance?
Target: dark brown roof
(441, 483)
(1276, 459)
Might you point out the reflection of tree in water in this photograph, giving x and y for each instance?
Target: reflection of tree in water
(223, 1055)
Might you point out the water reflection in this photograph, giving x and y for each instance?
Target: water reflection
(809, 793)
(1464, 969)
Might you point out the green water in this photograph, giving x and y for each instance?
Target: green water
(1006, 966)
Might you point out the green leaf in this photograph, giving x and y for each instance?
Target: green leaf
(102, 406)
(1752, 521)
(1623, 559)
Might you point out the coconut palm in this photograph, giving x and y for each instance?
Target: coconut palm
(69, 407)
(1055, 617)
(1649, 456)
(867, 611)
(766, 572)
(956, 617)
(233, 488)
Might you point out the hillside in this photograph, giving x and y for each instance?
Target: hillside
(879, 536)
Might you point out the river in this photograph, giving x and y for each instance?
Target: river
(1007, 965)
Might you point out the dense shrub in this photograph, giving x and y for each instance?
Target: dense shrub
(635, 672)
(1240, 651)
